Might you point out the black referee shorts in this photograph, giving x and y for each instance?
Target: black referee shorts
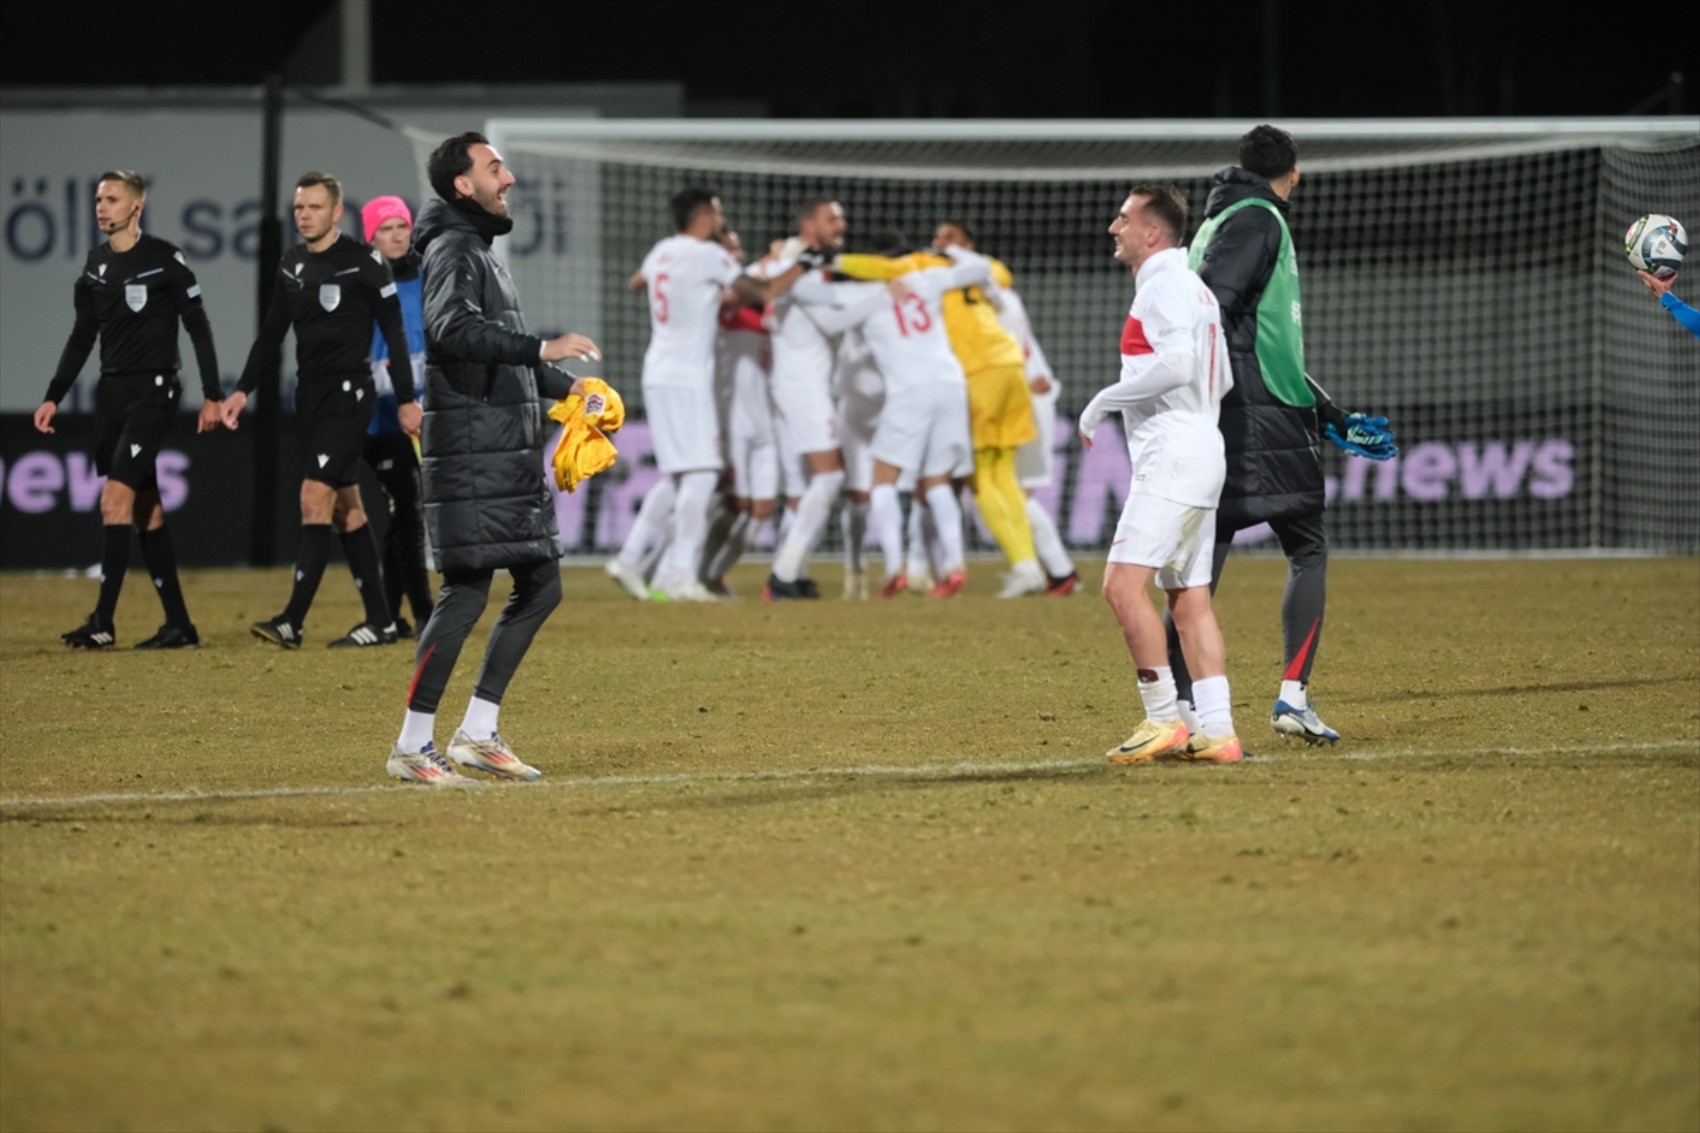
(334, 413)
(134, 412)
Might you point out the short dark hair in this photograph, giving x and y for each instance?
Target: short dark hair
(888, 242)
(1268, 152)
(331, 184)
(1165, 202)
(962, 224)
(812, 205)
(449, 160)
(689, 201)
(129, 178)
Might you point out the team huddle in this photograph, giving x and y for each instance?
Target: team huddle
(765, 381)
(772, 388)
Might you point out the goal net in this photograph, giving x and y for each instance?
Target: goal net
(1465, 279)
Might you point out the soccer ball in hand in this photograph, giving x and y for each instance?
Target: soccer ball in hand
(1656, 243)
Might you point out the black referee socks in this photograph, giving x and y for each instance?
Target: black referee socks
(309, 569)
(161, 557)
(114, 561)
(360, 548)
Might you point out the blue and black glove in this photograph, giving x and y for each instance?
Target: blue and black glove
(1368, 437)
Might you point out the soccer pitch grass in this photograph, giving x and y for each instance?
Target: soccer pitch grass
(838, 865)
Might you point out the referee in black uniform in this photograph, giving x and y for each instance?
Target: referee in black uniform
(133, 293)
(332, 288)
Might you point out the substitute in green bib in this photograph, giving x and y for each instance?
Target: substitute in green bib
(1275, 417)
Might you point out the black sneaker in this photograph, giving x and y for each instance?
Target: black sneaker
(808, 587)
(279, 632)
(403, 628)
(172, 637)
(91, 635)
(365, 634)
(777, 591)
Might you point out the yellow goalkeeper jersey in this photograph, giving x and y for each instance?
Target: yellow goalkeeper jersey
(978, 340)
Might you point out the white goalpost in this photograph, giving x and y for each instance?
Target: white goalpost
(1465, 278)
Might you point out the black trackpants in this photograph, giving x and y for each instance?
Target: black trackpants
(1306, 547)
(537, 591)
(392, 457)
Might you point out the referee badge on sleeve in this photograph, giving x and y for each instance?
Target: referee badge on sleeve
(330, 296)
(136, 296)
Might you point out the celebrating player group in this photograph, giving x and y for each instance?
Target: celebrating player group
(827, 372)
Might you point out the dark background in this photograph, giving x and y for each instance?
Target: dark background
(1077, 58)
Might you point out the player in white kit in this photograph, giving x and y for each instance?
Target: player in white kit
(860, 390)
(743, 360)
(802, 401)
(923, 425)
(1174, 371)
(688, 277)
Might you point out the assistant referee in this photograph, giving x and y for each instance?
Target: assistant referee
(331, 289)
(133, 293)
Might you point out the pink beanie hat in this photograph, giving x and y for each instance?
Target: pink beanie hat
(379, 209)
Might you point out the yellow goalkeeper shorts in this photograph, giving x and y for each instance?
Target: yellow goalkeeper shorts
(1000, 408)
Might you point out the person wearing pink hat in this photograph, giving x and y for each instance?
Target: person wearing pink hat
(388, 226)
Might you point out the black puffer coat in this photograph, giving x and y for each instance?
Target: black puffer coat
(487, 505)
(1273, 449)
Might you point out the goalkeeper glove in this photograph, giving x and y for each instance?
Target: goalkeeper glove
(1368, 437)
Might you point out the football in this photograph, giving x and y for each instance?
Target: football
(1656, 243)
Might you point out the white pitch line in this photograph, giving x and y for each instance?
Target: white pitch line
(959, 770)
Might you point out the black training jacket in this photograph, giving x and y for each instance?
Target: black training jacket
(487, 505)
(1273, 449)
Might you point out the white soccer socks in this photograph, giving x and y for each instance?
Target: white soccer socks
(1215, 715)
(947, 518)
(1047, 542)
(885, 517)
(480, 719)
(1157, 691)
(812, 512)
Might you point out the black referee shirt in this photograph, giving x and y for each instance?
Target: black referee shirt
(134, 301)
(332, 299)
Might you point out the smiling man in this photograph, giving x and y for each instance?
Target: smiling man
(487, 507)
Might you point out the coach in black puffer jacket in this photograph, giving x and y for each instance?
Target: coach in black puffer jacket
(1272, 420)
(486, 503)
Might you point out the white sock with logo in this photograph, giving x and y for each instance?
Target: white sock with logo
(480, 720)
(1295, 694)
(1157, 691)
(417, 730)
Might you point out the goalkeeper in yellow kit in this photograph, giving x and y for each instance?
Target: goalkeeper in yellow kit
(1000, 408)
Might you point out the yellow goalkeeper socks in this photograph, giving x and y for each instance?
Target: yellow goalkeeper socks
(997, 493)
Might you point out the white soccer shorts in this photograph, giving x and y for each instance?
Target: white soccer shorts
(1035, 461)
(805, 412)
(1176, 539)
(924, 429)
(684, 428)
(750, 442)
